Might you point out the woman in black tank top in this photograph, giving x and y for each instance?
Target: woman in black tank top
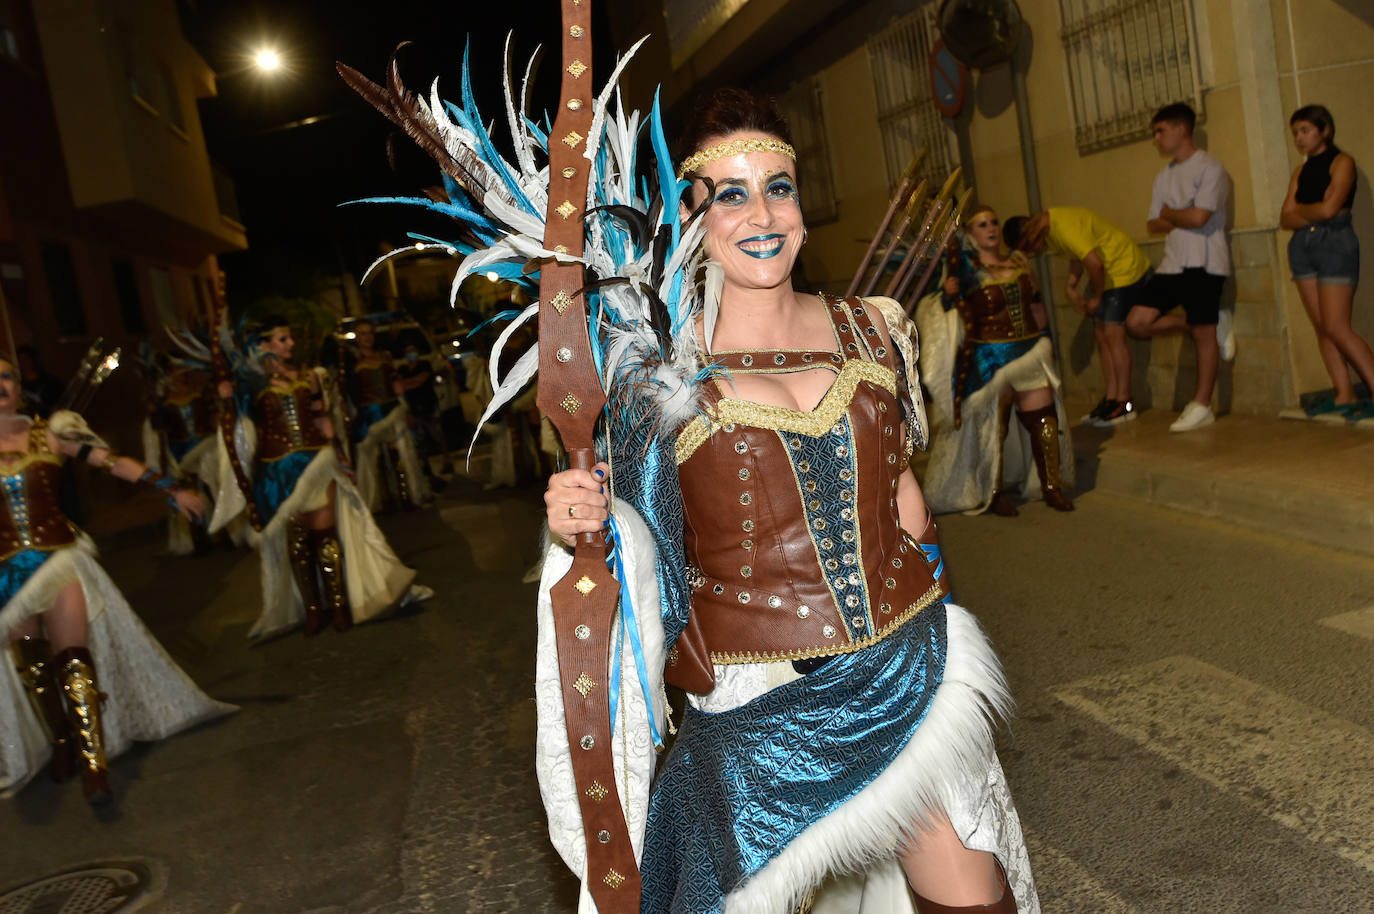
(1324, 254)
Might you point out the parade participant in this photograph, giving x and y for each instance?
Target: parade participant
(1324, 255)
(388, 465)
(1118, 271)
(986, 344)
(757, 441)
(419, 380)
(66, 619)
(1188, 207)
(323, 558)
(179, 440)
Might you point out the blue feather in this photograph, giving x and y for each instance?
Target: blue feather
(493, 159)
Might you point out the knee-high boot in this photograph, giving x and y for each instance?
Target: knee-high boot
(1043, 425)
(300, 548)
(1004, 905)
(33, 661)
(402, 485)
(76, 670)
(1002, 504)
(329, 548)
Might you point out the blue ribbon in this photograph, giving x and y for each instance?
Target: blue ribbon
(628, 624)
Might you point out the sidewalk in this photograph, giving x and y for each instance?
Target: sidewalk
(1310, 480)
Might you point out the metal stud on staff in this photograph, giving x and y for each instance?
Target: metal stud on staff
(908, 178)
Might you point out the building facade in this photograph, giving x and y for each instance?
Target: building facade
(854, 80)
(111, 211)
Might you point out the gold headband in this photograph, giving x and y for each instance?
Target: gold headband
(733, 148)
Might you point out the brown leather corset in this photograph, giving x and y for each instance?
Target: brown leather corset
(375, 383)
(1001, 312)
(32, 517)
(792, 531)
(286, 421)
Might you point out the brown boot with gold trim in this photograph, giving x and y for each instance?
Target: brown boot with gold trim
(34, 664)
(76, 670)
(330, 552)
(300, 549)
(1043, 425)
(1002, 504)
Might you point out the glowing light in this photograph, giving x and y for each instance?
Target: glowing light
(493, 276)
(267, 60)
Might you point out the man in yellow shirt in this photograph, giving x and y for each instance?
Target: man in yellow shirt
(1117, 271)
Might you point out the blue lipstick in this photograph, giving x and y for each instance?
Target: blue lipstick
(762, 255)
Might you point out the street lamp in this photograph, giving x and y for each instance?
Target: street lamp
(267, 60)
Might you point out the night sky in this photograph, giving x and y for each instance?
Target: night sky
(290, 180)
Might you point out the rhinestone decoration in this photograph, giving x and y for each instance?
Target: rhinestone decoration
(746, 499)
(828, 631)
(854, 578)
(880, 352)
(747, 360)
(745, 571)
(842, 451)
(585, 586)
(748, 526)
(847, 536)
(577, 68)
(729, 427)
(886, 608)
(574, 104)
(779, 359)
(851, 601)
(570, 403)
(858, 622)
(563, 248)
(597, 792)
(565, 209)
(827, 543)
(889, 583)
(564, 354)
(561, 301)
(882, 407)
(747, 544)
(572, 139)
(718, 589)
(569, 172)
(850, 558)
(588, 742)
(744, 596)
(804, 466)
(803, 611)
(575, 31)
(775, 602)
(614, 879)
(603, 836)
(584, 684)
(896, 562)
(744, 473)
(810, 486)
(832, 565)
(741, 447)
(582, 632)
(891, 458)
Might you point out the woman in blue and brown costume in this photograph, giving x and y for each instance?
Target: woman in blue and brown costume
(839, 738)
(323, 557)
(64, 617)
(386, 457)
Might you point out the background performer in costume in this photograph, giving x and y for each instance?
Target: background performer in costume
(986, 343)
(842, 712)
(66, 620)
(323, 558)
(389, 469)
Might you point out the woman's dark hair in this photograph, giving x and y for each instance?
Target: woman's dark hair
(1318, 116)
(729, 110)
(269, 322)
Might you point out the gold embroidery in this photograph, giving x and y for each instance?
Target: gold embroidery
(577, 68)
(585, 585)
(597, 791)
(779, 418)
(614, 879)
(584, 684)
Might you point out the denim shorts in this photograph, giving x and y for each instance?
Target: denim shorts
(1118, 302)
(1328, 252)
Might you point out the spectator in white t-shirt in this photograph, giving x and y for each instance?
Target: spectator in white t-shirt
(1188, 207)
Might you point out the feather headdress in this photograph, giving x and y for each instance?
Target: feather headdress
(643, 260)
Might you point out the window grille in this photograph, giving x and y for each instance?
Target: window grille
(803, 106)
(899, 58)
(1126, 59)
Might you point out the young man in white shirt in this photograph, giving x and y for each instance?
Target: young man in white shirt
(1188, 207)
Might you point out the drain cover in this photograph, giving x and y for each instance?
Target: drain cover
(96, 888)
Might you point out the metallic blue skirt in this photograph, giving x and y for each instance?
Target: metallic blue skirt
(740, 785)
(369, 416)
(275, 480)
(987, 359)
(16, 570)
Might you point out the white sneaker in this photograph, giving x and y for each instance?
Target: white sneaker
(1226, 335)
(1194, 415)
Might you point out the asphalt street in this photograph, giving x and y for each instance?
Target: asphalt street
(1195, 726)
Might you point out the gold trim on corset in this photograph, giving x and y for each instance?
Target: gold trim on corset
(930, 597)
(781, 419)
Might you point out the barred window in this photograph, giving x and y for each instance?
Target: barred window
(899, 58)
(803, 106)
(1126, 59)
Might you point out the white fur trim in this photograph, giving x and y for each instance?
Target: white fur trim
(946, 762)
(392, 429)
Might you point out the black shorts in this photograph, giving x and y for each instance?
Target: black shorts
(1198, 291)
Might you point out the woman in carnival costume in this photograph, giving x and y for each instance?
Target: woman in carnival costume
(756, 441)
(985, 344)
(385, 451)
(323, 557)
(65, 618)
